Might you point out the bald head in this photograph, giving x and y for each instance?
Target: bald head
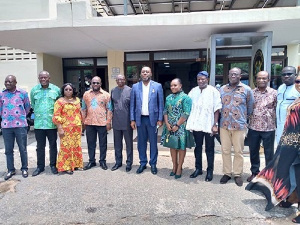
(120, 81)
(44, 78)
(10, 83)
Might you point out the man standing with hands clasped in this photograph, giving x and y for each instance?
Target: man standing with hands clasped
(97, 119)
(262, 122)
(146, 114)
(120, 103)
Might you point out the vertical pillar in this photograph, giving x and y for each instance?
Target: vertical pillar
(293, 55)
(115, 60)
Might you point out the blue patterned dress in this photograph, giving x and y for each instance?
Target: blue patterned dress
(178, 105)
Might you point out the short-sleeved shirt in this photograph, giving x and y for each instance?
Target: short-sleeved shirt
(96, 108)
(14, 107)
(42, 102)
(237, 105)
(205, 104)
(263, 117)
(120, 102)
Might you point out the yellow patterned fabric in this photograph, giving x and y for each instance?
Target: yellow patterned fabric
(68, 114)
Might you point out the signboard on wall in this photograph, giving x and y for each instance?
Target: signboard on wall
(115, 72)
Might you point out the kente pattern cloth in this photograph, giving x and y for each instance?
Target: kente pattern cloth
(281, 177)
(178, 105)
(69, 116)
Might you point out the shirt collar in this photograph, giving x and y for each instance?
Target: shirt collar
(17, 90)
(267, 90)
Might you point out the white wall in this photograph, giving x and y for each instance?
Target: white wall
(15, 10)
(51, 64)
(25, 72)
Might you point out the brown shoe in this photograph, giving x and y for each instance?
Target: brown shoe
(249, 179)
(238, 181)
(225, 179)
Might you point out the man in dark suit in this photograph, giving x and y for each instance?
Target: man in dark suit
(146, 114)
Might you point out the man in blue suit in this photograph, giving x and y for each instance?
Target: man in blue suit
(146, 114)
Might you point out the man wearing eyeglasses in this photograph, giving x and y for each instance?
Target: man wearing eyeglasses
(97, 119)
(286, 94)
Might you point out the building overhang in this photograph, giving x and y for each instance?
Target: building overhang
(73, 33)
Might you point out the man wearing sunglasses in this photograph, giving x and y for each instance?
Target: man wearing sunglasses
(286, 94)
(97, 119)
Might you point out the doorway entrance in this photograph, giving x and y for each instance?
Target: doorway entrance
(165, 72)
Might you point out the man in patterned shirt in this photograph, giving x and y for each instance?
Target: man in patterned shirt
(237, 105)
(43, 97)
(97, 119)
(14, 106)
(262, 122)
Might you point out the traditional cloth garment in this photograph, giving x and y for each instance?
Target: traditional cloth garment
(178, 105)
(69, 116)
(281, 177)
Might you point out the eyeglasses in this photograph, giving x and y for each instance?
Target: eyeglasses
(287, 74)
(96, 83)
(297, 81)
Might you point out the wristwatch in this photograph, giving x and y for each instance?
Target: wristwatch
(176, 125)
(216, 124)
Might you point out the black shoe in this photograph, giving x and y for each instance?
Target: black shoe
(225, 179)
(115, 167)
(249, 179)
(9, 175)
(153, 169)
(103, 166)
(24, 173)
(196, 173)
(54, 170)
(128, 168)
(37, 172)
(238, 181)
(141, 169)
(209, 176)
(89, 165)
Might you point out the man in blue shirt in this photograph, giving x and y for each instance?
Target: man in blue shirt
(286, 94)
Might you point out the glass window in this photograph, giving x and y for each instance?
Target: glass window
(78, 62)
(176, 55)
(278, 51)
(102, 62)
(276, 68)
(131, 57)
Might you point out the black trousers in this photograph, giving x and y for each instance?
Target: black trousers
(209, 149)
(255, 137)
(118, 144)
(91, 137)
(40, 136)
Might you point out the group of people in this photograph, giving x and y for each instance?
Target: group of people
(187, 119)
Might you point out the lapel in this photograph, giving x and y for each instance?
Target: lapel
(141, 91)
(150, 90)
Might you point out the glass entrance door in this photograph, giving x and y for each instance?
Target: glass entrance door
(77, 78)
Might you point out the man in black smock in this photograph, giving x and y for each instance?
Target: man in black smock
(120, 104)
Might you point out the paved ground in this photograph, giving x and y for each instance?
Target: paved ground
(105, 197)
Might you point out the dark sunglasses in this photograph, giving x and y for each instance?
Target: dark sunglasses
(297, 81)
(96, 83)
(287, 74)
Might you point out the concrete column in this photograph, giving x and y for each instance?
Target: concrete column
(115, 61)
(293, 55)
(53, 65)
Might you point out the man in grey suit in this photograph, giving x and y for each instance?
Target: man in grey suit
(146, 114)
(120, 106)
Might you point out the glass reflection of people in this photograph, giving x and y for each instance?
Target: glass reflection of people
(280, 180)
(177, 110)
(67, 117)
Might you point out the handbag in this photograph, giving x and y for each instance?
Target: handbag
(171, 141)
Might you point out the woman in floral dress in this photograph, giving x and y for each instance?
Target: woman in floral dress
(177, 110)
(280, 180)
(67, 117)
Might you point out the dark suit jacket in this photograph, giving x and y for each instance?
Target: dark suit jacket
(155, 104)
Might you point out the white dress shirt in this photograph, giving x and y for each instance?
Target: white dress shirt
(145, 109)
